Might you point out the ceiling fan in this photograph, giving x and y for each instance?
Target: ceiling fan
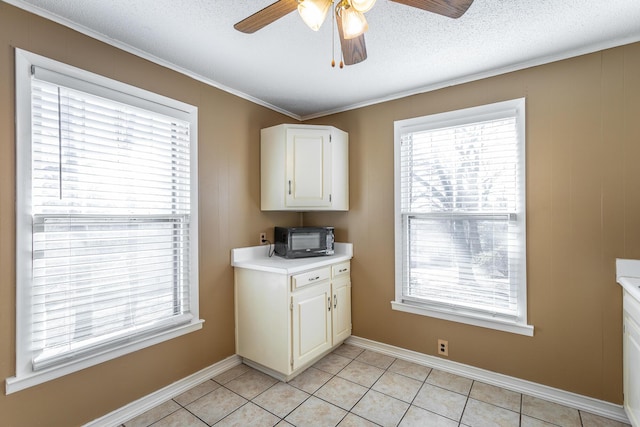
(349, 15)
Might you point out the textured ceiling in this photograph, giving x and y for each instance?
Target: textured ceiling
(286, 66)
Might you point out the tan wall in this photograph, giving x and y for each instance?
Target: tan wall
(229, 217)
(583, 211)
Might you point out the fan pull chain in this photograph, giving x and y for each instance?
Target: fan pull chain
(333, 40)
(333, 43)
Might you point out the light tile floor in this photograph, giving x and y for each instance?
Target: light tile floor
(353, 387)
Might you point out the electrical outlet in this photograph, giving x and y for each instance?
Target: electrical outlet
(443, 347)
(263, 239)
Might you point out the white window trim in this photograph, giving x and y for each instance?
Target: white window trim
(452, 118)
(25, 376)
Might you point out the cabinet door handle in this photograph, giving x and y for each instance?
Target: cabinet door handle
(289, 187)
(335, 301)
(329, 303)
(311, 279)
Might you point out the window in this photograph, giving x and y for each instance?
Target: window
(106, 219)
(460, 216)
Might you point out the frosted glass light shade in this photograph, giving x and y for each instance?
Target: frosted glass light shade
(353, 23)
(362, 5)
(314, 12)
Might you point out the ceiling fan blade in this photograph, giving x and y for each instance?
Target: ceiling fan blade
(266, 16)
(353, 50)
(449, 8)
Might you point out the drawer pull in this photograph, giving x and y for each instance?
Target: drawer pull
(342, 270)
(311, 279)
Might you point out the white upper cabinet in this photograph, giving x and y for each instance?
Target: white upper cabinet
(304, 168)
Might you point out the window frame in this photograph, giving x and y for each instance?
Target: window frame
(25, 375)
(519, 325)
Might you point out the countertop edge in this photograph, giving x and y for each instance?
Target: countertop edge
(628, 276)
(296, 269)
(253, 258)
(631, 285)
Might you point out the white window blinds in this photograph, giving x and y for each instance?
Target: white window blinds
(461, 214)
(111, 217)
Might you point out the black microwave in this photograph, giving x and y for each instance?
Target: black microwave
(302, 242)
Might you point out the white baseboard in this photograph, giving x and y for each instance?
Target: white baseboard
(577, 401)
(145, 403)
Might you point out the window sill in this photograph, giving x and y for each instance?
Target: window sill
(30, 379)
(484, 322)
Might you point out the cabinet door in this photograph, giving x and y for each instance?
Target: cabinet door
(311, 322)
(341, 309)
(631, 363)
(308, 170)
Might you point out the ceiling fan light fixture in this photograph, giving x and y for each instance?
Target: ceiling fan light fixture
(354, 23)
(362, 5)
(314, 12)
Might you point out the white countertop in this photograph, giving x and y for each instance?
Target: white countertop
(628, 276)
(257, 258)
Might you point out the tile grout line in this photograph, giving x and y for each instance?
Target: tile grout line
(288, 413)
(334, 376)
(386, 370)
(466, 402)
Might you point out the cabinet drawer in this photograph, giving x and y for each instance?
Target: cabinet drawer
(342, 269)
(310, 278)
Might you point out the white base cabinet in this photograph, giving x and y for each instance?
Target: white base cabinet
(628, 276)
(286, 322)
(631, 358)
